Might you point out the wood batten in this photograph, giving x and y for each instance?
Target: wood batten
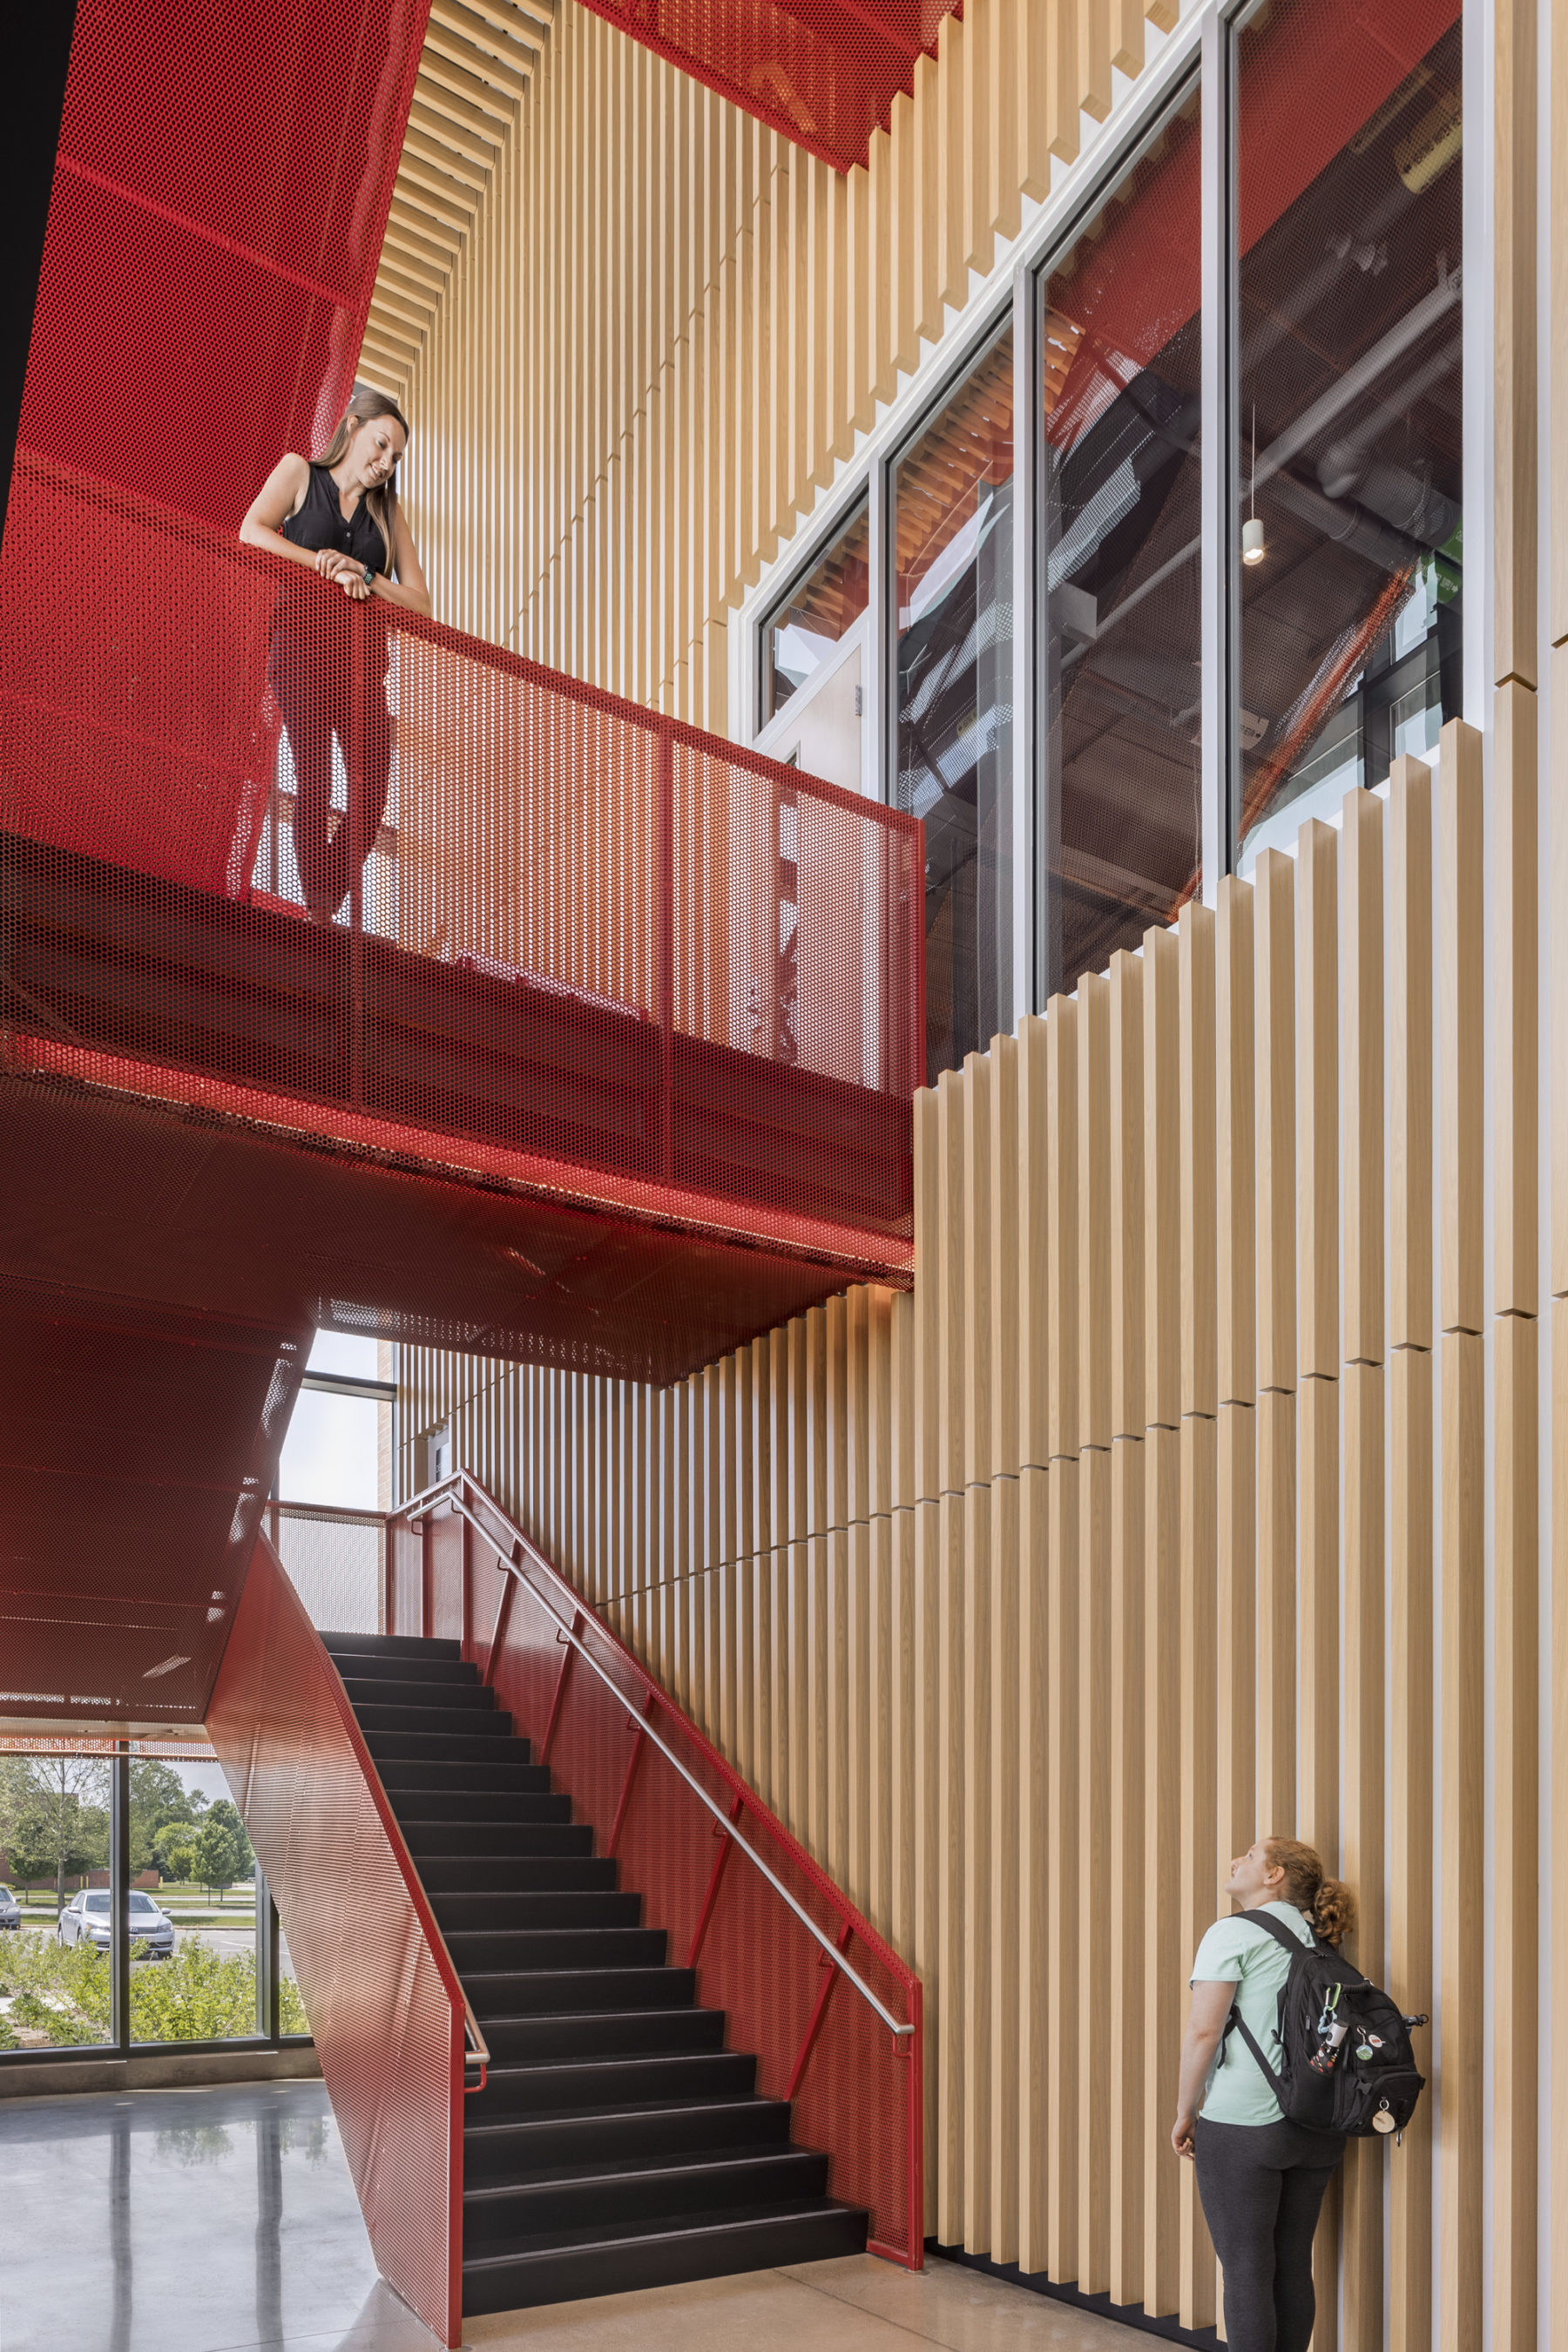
(475, 72)
(1030, 1598)
(662, 326)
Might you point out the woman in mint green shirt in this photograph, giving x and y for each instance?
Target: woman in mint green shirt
(1261, 2179)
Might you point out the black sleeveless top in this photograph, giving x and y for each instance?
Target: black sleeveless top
(319, 523)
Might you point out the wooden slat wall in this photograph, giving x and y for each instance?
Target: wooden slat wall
(661, 328)
(1028, 1598)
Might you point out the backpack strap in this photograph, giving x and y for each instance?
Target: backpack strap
(1291, 1944)
(1277, 1928)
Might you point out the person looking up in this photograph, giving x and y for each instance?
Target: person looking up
(1261, 2179)
(338, 518)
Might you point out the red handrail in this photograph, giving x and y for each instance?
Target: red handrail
(864, 2098)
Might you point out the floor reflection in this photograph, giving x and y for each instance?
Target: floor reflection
(187, 2222)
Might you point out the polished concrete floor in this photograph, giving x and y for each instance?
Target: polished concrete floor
(214, 2220)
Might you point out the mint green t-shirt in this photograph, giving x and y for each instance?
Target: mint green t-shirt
(1237, 2091)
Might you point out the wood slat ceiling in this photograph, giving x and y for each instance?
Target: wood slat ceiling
(476, 65)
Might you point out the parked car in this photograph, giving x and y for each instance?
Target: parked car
(85, 1920)
(10, 1910)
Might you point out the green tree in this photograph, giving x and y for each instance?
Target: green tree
(174, 1850)
(64, 1817)
(159, 1800)
(225, 1810)
(219, 1855)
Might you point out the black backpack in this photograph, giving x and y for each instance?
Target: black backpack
(1346, 2062)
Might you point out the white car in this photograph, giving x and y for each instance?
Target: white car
(86, 1920)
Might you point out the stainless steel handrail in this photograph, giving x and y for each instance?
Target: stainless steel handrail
(481, 2047)
(456, 1503)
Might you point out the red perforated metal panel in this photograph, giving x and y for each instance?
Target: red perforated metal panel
(825, 72)
(383, 2001)
(138, 1446)
(857, 2087)
(555, 945)
(216, 225)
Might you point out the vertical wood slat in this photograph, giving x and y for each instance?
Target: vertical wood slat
(1458, 936)
(1093, 1664)
(1410, 1807)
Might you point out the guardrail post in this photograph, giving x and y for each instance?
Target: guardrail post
(665, 915)
(699, 1936)
(355, 763)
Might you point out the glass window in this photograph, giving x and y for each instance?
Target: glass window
(193, 1968)
(800, 635)
(1349, 214)
(55, 1983)
(952, 526)
(1120, 329)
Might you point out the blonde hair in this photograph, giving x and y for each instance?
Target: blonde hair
(365, 404)
(1326, 1901)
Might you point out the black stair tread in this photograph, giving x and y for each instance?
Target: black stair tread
(424, 1722)
(708, 2111)
(541, 2068)
(514, 1874)
(393, 1645)
(488, 1950)
(473, 1697)
(434, 1792)
(608, 2169)
(590, 1911)
(438, 1747)
(602, 2032)
(541, 1990)
(524, 1840)
(615, 2233)
(404, 1671)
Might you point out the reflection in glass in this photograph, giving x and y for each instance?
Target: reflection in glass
(1349, 540)
(953, 524)
(1122, 819)
(800, 633)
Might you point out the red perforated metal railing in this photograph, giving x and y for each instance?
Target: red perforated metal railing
(383, 2001)
(833, 2015)
(332, 867)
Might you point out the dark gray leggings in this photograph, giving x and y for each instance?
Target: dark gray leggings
(1262, 2188)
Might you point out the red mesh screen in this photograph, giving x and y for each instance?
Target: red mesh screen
(857, 2087)
(214, 228)
(825, 72)
(384, 2005)
(554, 943)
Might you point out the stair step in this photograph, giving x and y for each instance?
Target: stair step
(396, 1747)
(596, 1910)
(471, 1697)
(525, 1832)
(509, 1795)
(518, 1950)
(545, 1993)
(390, 1645)
(610, 2083)
(465, 1724)
(460, 1872)
(601, 2033)
(525, 2143)
(643, 2188)
(402, 1670)
(602, 2259)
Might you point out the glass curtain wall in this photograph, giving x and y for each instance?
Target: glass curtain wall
(1348, 205)
(97, 1847)
(1119, 561)
(802, 632)
(953, 564)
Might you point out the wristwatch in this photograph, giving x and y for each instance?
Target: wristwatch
(370, 575)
